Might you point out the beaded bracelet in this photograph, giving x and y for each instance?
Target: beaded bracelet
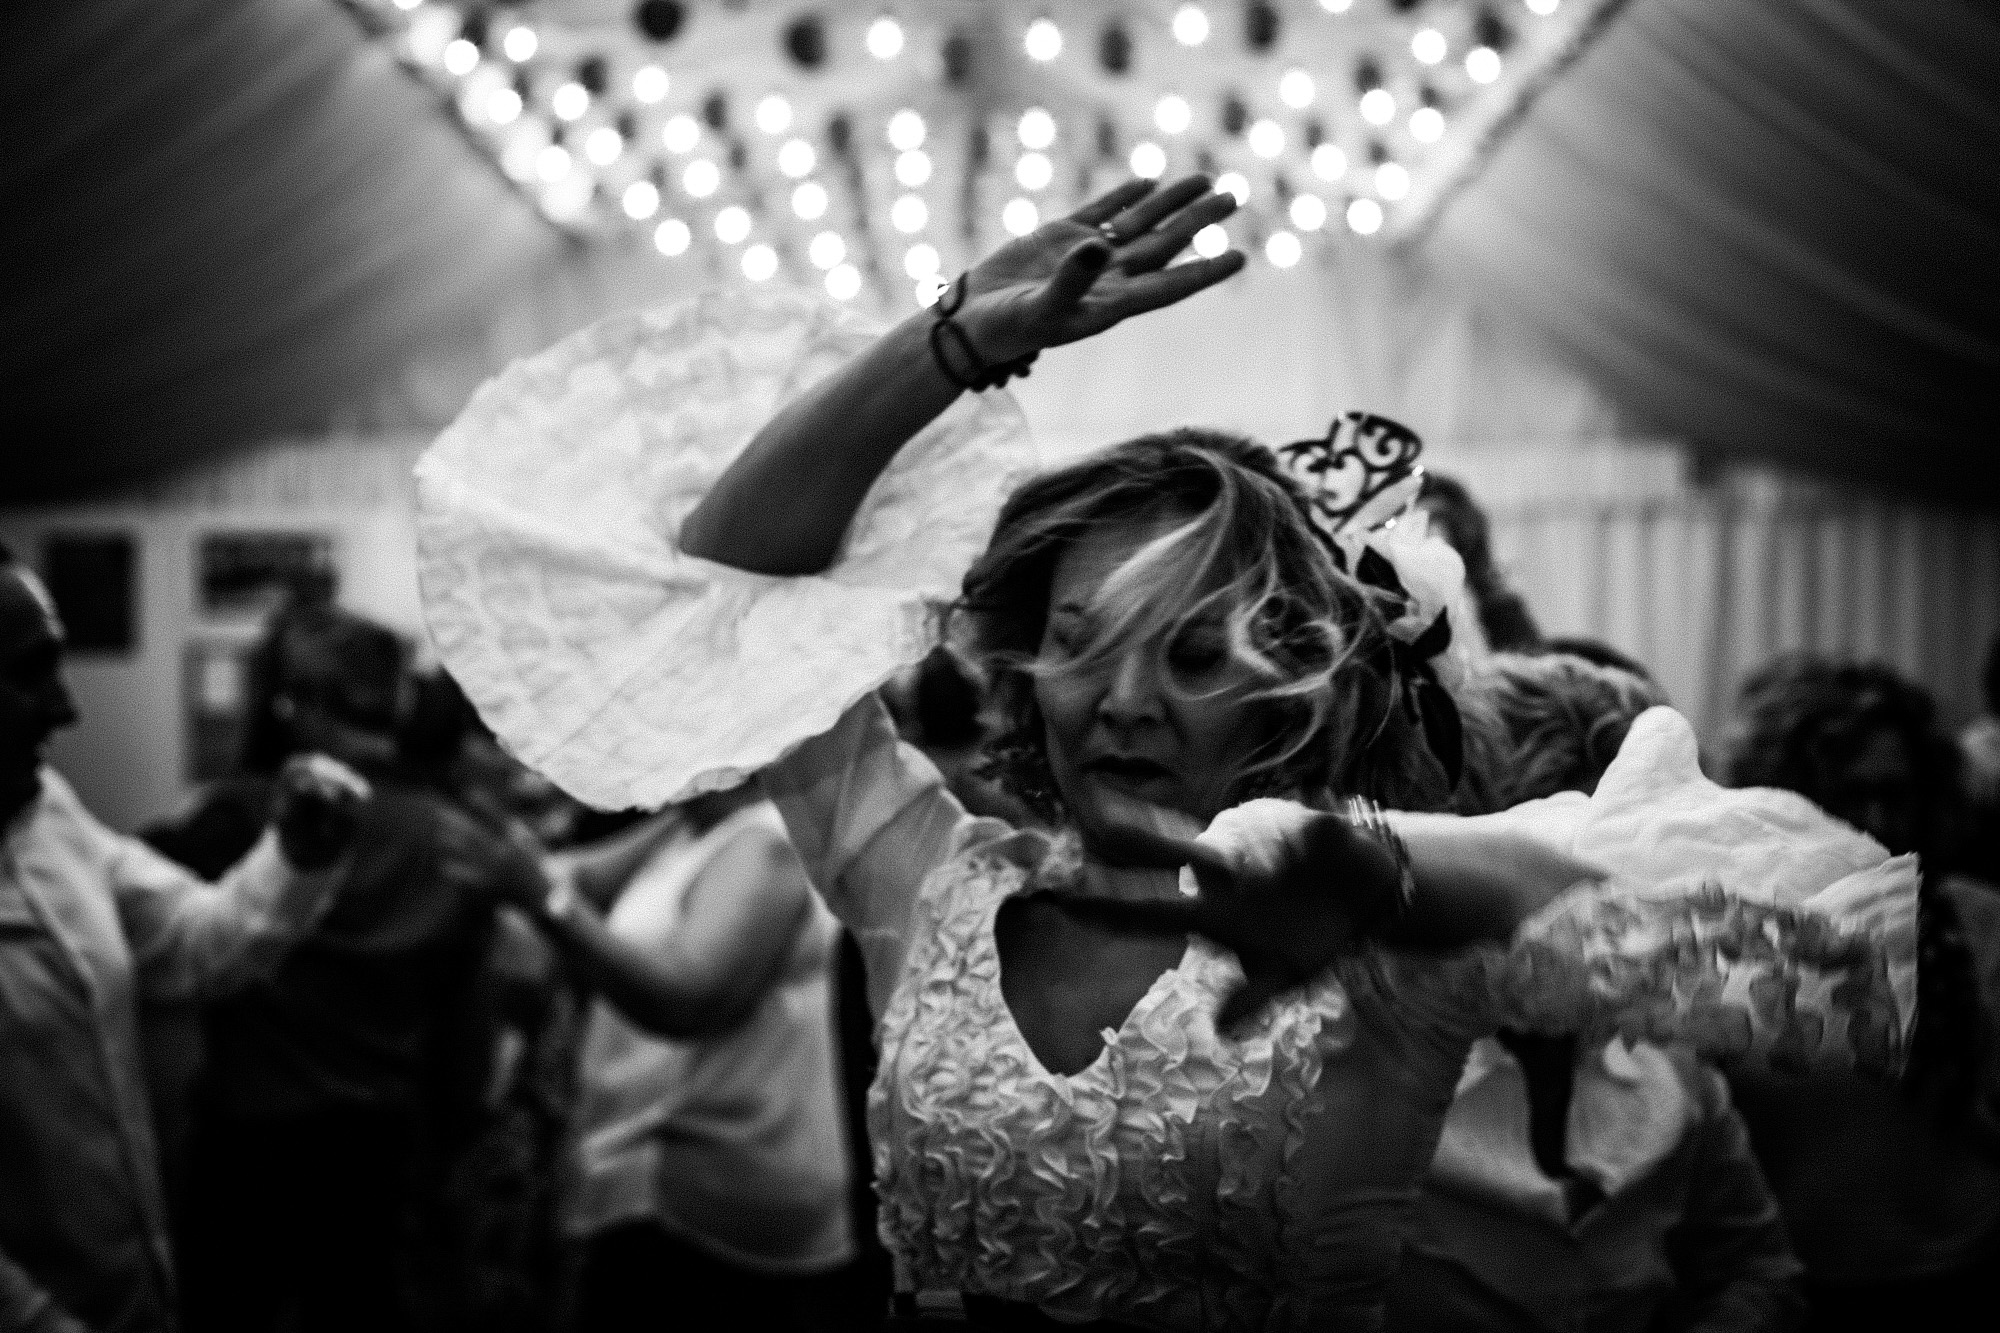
(945, 329)
(1365, 817)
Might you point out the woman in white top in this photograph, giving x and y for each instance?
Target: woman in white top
(650, 584)
(709, 1167)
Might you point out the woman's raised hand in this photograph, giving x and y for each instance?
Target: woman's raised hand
(1104, 263)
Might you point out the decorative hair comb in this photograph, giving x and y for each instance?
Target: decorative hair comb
(1358, 481)
(1363, 475)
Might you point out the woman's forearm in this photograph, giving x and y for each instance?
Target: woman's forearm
(785, 504)
(677, 1003)
(1476, 883)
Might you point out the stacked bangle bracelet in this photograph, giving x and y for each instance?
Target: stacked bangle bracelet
(1364, 816)
(971, 372)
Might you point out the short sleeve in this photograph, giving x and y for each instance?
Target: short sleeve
(554, 589)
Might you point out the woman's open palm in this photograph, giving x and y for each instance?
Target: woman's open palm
(1104, 263)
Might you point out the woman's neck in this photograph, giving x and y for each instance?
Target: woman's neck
(1101, 879)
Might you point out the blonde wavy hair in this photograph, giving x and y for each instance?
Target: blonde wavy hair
(1240, 555)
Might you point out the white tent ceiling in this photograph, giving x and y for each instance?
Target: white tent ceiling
(1769, 230)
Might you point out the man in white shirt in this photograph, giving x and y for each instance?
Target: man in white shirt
(91, 921)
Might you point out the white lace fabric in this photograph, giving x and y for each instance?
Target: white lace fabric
(629, 673)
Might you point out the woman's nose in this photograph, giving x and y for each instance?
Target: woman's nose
(1132, 693)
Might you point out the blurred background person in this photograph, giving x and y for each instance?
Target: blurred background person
(1601, 1188)
(1891, 1193)
(333, 1090)
(711, 1168)
(1979, 752)
(91, 923)
(1503, 622)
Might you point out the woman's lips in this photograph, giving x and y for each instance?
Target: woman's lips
(1128, 772)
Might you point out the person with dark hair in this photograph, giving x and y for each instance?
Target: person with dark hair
(1608, 1186)
(1979, 749)
(1598, 653)
(1891, 1191)
(1175, 1055)
(332, 1087)
(91, 925)
(1505, 622)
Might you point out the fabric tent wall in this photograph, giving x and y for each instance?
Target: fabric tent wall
(1606, 536)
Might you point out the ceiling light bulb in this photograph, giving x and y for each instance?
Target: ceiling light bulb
(1426, 124)
(1043, 41)
(797, 159)
(650, 84)
(460, 57)
(1211, 241)
(826, 249)
(570, 101)
(701, 178)
(1297, 89)
(921, 260)
(1034, 172)
(843, 282)
(1190, 25)
(906, 130)
(928, 290)
(1173, 114)
(1542, 7)
(774, 114)
(1283, 249)
(1149, 160)
(1365, 217)
(1234, 183)
(552, 163)
(885, 38)
(520, 43)
(760, 261)
(1308, 212)
(1328, 162)
(1482, 64)
(1392, 180)
(1020, 217)
(910, 214)
(680, 134)
(1428, 46)
(1037, 129)
(503, 106)
(732, 225)
(913, 169)
(1267, 138)
(672, 237)
(642, 200)
(1336, 6)
(1378, 106)
(809, 200)
(604, 145)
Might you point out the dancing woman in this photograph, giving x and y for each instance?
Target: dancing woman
(687, 545)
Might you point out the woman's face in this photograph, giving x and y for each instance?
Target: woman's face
(1171, 728)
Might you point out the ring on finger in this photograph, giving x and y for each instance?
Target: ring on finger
(1109, 231)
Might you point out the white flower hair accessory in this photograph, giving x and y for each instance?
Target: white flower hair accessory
(1362, 482)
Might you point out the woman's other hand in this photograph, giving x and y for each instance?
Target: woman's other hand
(1102, 264)
(1287, 888)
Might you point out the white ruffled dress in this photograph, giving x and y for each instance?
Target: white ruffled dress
(1181, 1181)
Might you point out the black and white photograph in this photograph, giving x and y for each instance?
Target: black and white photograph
(1086, 666)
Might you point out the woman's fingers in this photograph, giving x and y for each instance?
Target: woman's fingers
(1112, 202)
(1149, 212)
(1150, 291)
(1073, 277)
(1157, 249)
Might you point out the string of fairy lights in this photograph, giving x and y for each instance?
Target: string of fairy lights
(876, 150)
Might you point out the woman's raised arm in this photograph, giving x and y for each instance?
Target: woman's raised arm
(783, 506)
